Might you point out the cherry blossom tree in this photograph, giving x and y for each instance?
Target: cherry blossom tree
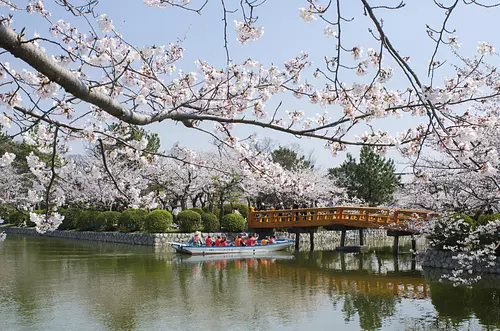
(72, 80)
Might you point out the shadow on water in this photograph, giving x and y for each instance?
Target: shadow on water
(54, 284)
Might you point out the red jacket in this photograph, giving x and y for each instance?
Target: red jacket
(208, 242)
(217, 242)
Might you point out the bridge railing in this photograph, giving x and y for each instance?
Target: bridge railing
(366, 217)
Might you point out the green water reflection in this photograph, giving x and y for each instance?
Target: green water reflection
(53, 284)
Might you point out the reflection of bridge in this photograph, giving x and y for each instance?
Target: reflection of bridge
(401, 284)
(397, 222)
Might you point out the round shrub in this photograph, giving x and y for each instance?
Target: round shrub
(132, 219)
(87, 220)
(5, 211)
(211, 209)
(210, 222)
(108, 220)
(70, 220)
(233, 223)
(189, 221)
(157, 221)
(197, 210)
(241, 208)
(17, 218)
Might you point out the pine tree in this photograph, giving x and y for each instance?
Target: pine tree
(372, 180)
(290, 159)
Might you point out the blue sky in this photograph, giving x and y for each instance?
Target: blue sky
(285, 36)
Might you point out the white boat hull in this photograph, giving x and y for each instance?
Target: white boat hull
(184, 258)
(250, 250)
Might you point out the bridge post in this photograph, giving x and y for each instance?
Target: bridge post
(311, 239)
(395, 246)
(414, 246)
(297, 241)
(361, 238)
(342, 238)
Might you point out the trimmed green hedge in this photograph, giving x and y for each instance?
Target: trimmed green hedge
(158, 221)
(132, 219)
(17, 218)
(5, 211)
(87, 220)
(242, 208)
(189, 221)
(233, 223)
(210, 222)
(198, 210)
(214, 210)
(70, 220)
(108, 220)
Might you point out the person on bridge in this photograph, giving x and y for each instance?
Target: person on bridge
(196, 240)
(208, 241)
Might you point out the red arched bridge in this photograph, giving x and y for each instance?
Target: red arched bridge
(397, 222)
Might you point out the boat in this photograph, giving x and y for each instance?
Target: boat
(280, 245)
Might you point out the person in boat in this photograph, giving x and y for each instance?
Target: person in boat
(237, 241)
(264, 241)
(217, 241)
(208, 241)
(224, 242)
(250, 241)
(244, 240)
(272, 240)
(196, 240)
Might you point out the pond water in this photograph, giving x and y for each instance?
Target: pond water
(55, 284)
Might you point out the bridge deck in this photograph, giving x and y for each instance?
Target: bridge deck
(359, 217)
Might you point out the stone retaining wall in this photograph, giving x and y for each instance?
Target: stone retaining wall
(324, 240)
(444, 259)
(148, 239)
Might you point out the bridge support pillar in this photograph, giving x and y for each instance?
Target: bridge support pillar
(395, 246)
(297, 241)
(413, 246)
(342, 238)
(361, 238)
(311, 239)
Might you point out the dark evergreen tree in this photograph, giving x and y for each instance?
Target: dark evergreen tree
(289, 159)
(372, 180)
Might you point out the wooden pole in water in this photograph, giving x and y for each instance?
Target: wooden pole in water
(342, 238)
(361, 238)
(311, 239)
(413, 246)
(395, 247)
(297, 241)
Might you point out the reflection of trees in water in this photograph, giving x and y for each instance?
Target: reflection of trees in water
(370, 308)
(124, 287)
(361, 291)
(456, 305)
